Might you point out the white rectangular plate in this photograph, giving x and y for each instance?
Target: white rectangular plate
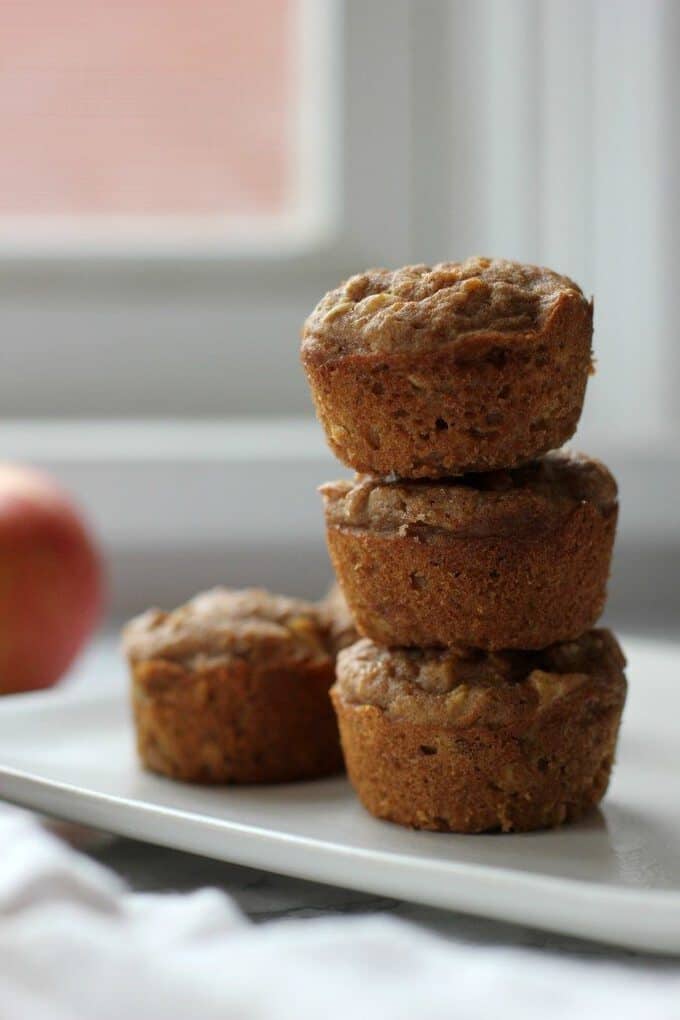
(615, 877)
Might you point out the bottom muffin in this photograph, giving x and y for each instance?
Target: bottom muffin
(461, 740)
(233, 688)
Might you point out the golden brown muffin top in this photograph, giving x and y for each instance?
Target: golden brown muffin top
(463, 686)
(528, 499)
(221, 625)
(422, 307)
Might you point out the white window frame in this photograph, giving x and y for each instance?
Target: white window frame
(114, 302)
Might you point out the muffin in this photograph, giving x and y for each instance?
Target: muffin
(233, 688)
(466, 741)
(336, 616)
(431, 371)
(505, 559)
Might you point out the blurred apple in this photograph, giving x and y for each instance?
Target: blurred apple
(51, 580)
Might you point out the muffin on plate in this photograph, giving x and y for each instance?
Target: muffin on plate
(233, 688)
(506, 559)
(466, 741)
(433, 371)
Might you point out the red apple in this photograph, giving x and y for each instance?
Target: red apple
(51, 581)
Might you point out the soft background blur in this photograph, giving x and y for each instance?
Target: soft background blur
(180, 182)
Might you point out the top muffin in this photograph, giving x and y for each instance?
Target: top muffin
(422, 307)
(428, 371)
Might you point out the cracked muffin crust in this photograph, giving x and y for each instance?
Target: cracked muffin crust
(464, 741)
(506, 559)
(460, 367)
(233, 688)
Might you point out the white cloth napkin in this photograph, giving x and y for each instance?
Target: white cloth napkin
(74, 943)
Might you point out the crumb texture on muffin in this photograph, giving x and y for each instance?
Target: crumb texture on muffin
(223, 624)
(463, 686)
(536, 495)
(421, 306)
(337, 616)
(234, 722)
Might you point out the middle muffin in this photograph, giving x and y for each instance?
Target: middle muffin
(506, 559)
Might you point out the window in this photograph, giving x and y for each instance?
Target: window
(393, 131)
(346, 134)
(161, 305)
(139, 121)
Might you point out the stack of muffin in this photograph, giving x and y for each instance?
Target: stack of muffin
(473, 560)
